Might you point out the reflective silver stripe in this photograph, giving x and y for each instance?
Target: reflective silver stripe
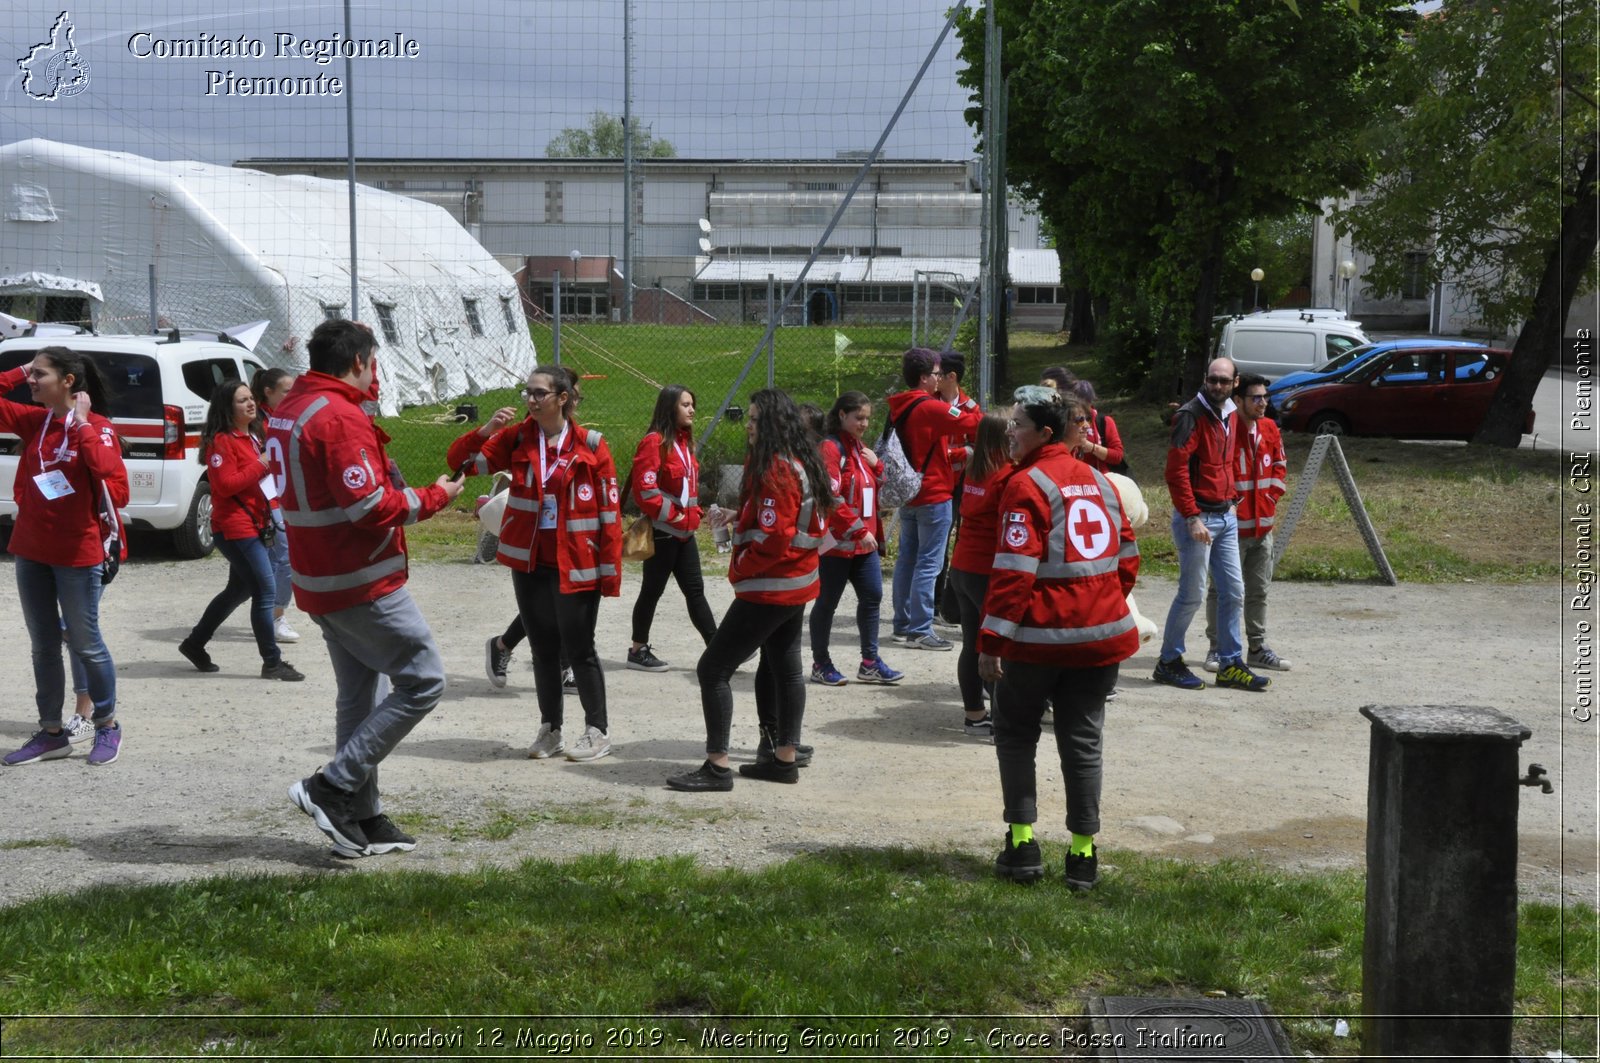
(856, 525)
(526, 505)
(1129, 549)
(649, 492)
(1003, 628)
(356, 510)
(295, 473)
(1246, 525)
(583, 524)
(1251, 485)
(516, 553)
(608, 516)
(676, 533)
(1056, 542)
(1274, 482)
(480, 464)
(793, 583)
(1112, 500)
(413, 506)
(593, 439)
(1244, 485)
(1266, 522)
(1016, 563)
(349, 580)
(1076, 569)
(383, 544)
(1066, 636)
(807, 542)
(589, 575)
(754, 535)
(313, 518)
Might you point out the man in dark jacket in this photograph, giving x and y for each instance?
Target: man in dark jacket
(1205, 438)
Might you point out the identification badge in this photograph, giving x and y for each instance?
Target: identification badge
(53, 484)
(866, 502)
(269, 487)
(547, 512)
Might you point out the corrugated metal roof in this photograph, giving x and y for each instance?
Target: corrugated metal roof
(1031, 267)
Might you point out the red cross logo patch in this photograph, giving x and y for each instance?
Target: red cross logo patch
(1089, 528)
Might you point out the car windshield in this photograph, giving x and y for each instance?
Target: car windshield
(1347, 359)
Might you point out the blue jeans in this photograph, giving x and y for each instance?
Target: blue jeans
(51, 594)
(864, 572)
(924, 530)
(390, 675)
(282, 592)
(1221, 559)
(249, 577)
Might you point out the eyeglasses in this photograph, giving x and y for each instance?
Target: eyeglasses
(1256, 398)
(1013, 423)
(1080, 420)
(536, 394)
(1219, 380)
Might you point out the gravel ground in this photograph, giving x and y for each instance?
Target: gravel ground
(201, 786)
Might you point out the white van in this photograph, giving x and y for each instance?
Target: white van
(1276, 345)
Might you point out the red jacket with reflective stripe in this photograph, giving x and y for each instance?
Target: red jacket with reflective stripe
(238, 508)
(588, 509)
(1064, 563)
(343, 505)
(775, 540)
(980, 522)
(657, 480)
(1200, 459)
(926, 434)
(66, 530)
(1261, 468)
(845, 468)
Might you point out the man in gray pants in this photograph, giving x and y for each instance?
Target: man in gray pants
(345, 507)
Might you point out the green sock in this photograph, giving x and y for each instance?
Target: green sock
(1021, 833)
(1082, 844)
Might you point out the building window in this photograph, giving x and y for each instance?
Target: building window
(716, 292)
(391, 334)
(474, 322)
(511, 319)
(1414, 282)
(332, 311)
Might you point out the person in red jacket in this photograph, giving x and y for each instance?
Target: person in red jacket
(241, 520)
(269, 386)
(70, 482)
(784, 505)
(1261, 468)
(987, 472)
(928, 416)
(854, 475)
(1205, 441)
(665, 483)
(1102, 443)
(346, 509)
(1056, 625)
(562, 540)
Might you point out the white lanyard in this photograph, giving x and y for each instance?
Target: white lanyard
(66, 439)
(688, 473)
(545, 469)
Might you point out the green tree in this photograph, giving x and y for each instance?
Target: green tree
(602, 139)
(1491, 162)
(1153, 133)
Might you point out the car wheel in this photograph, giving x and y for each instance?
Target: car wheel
(194, 538)
(1328, 424)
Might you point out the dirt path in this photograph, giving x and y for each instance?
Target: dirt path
(200, 788)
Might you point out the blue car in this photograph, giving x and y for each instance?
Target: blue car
(1355, 357)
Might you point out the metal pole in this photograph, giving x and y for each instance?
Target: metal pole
(627, 160)
(916, 275)
(771, 301)
(986, 264)
(350, 165)
(154, 317)
(555, 315)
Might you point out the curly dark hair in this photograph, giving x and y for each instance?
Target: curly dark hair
(781, 434)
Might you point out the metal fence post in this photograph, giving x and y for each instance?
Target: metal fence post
(772, 370)
(555, 316)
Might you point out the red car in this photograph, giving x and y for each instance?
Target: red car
(1440, 393)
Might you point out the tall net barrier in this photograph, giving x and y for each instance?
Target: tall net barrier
(168, 165)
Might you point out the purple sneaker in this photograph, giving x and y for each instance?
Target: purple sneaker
(42, 746)
(107, 745)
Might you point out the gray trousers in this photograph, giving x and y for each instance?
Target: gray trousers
(1078, 698)
(390, 675)
(1255, 558)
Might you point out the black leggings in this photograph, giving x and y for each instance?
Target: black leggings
(776, 631)
(561, 625)
(1079, 698)
(970, 588)
(674, 559)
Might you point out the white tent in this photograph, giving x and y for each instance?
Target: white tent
(230, 245)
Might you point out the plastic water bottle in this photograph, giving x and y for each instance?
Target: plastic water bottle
(721, 534)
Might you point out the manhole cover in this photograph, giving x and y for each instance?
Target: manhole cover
(1153, 1028)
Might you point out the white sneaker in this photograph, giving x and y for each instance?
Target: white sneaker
(1212, 661)
(78, 729)
(283, 632)
(547, 743)
(1265, 658)
(592, 746)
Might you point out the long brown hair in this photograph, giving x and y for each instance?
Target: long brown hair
(781, 434)
(988, 449)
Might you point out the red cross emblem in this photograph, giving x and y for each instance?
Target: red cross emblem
(1088, 528)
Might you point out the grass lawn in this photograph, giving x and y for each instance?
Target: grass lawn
(647, 952)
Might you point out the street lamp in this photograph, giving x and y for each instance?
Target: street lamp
(1256, 276)
(1347, 269)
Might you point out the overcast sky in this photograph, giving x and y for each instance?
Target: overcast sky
(718, 78)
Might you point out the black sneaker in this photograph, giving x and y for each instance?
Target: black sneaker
(1020, 863)
(645, 661)
(1235, 676)
(332, 810)
(198, 657)
(382, 837)
(1083, 871)
(495, 662)
(281, 669)
(773, 770)
(982, 727)
(706, 777)
(802, 754)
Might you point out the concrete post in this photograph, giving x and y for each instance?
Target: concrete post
(1441, 926)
